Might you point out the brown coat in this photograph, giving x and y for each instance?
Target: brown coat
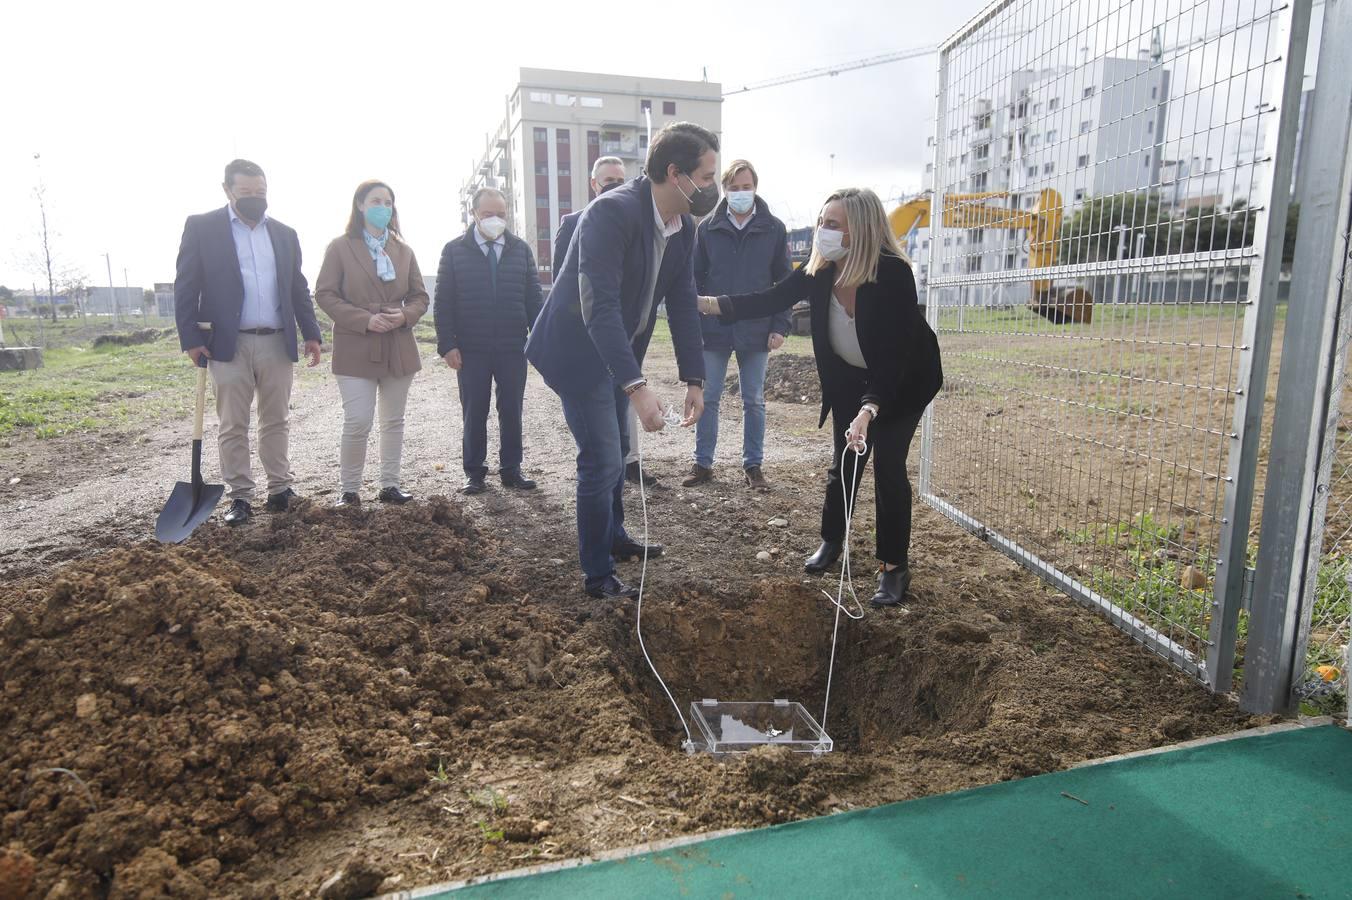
(351, 293)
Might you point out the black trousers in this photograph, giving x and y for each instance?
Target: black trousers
(889, 443)
(476, 377)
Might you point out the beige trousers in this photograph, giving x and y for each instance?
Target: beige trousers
(261, 368)
(360, 399)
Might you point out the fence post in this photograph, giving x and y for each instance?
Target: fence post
(936, 228)
(1309, 389)
(1242, 460)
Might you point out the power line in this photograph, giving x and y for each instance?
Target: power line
(831, 71)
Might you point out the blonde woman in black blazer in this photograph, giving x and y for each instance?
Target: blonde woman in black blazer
(878, 361)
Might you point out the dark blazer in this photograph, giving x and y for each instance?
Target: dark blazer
(732, 260)
(469, 316)
(583, 334)
(567, 225)
(208, 286)
(902, 353)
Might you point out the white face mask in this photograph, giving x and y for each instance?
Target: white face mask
(827, 242)
(741, 202)
(492, 227)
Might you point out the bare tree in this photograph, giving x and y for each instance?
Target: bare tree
(40, 192)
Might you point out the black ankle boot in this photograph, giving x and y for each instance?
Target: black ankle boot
(892, 587)
(823, 559)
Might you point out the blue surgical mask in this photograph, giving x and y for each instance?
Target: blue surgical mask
(741, 202)
(378, 217)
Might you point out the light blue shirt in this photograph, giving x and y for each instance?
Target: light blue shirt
(483, 242)
(258, 270)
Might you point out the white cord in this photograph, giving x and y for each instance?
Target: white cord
(668, 415)
(846, 577)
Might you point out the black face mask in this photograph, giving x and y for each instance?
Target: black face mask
(609, 187)
(703, 200)
(251, 208)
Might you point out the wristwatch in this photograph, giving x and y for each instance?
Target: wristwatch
(872, 410)
(695, 382)
(629, 389)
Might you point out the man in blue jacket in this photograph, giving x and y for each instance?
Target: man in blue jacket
(740, 249)
(239, 300)
(634, 249)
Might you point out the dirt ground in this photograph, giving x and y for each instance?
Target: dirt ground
(418, 694)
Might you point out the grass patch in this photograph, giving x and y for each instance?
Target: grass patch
(80, 389)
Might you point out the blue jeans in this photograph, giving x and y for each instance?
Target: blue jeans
(751, 372)
(597, 417)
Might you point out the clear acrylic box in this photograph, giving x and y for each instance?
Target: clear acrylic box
(723, 727)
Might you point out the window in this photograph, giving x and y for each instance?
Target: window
(952, 161)
(542, 203)
(1037, 108)
(1029, 202)
(516, 100)
(929, 141)
(1079, 195)
(983, 121)
(593, 139)
(539, 97)
(964, 158)
(1088, 92)
(947, 266)
(542, 168)
(1009, 260)
(1154, 92)
(1053, 103)
(563, 135)
(645, 105)
(929, 168)
(592, 102)
(959, 240)
(542, 232)
(643, 141)
(948, 242)
(541, 135)
(1083, 160)
(1048, 168)
(974, 264)
(1051, 136)
(924, 244)
(1034, 140)
(978, 235)
(565, 100)
(979, 181)
(1150, 127)
(668, 107)
(1032, 170)
(1085, 126)
(1146, 160)
(982, 151)
(565, 170)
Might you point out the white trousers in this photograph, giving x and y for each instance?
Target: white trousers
(361, 397)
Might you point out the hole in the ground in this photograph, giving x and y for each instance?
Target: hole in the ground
(893, 677)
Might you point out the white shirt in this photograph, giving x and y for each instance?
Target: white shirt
(844, 335)
(258, 272)
(500, 243)
(740, 225)
(667, 228)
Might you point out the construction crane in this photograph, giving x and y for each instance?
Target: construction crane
(831, 71)
(1043, 224)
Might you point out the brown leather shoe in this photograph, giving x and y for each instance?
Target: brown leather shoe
(755, 479)
(698, 475)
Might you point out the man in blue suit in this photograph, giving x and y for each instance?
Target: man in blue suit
(632, 251)
(607, 173)
(239, 299)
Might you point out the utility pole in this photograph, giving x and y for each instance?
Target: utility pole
(126, 289)
(112, 291)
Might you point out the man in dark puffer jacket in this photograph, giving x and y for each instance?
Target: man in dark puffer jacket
(488, 295)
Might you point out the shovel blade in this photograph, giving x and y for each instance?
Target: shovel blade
(181, 516)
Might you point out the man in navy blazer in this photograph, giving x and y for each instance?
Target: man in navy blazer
(239, 298)
(632, 251)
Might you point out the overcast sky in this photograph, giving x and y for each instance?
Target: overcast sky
(136, 107)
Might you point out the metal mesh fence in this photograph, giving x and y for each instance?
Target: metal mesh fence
(1103, 172)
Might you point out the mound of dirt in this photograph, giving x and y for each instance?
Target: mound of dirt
(789, 378)
(168, 707)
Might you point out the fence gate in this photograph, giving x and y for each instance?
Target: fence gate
(1110, 184)
(1298, 636)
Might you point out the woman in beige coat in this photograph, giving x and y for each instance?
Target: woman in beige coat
(371, 287)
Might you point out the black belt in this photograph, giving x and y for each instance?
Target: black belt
(260, 331)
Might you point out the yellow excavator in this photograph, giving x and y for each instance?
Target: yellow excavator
(1043, 224)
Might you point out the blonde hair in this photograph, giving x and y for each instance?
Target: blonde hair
(870, 237)
(740, 165)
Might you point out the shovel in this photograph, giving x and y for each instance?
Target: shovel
(191, 502)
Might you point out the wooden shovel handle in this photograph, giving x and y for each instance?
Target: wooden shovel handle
(201, 404)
